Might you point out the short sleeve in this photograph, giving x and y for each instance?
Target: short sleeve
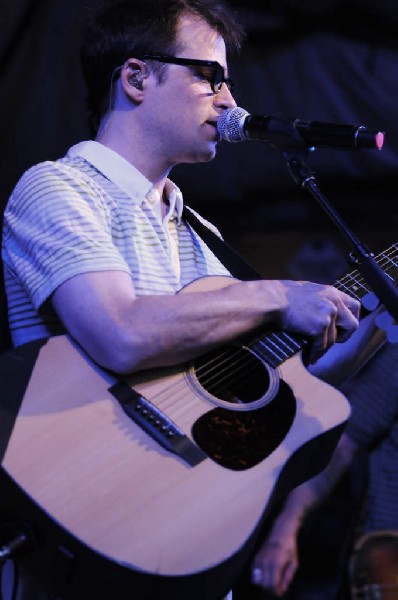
(57, 224)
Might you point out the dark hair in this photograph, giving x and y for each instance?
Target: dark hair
(136, 27)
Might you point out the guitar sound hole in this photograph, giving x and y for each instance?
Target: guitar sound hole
(234, 375)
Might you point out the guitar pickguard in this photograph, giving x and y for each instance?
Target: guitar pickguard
(241, 440)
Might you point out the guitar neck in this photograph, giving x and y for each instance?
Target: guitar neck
(355, 284)
(276, 347)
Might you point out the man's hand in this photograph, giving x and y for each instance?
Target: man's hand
(322, 312)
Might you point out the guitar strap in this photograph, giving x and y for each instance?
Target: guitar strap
(235, 264)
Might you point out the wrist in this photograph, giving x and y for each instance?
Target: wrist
(284, 526)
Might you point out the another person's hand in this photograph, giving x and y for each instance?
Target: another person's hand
(276, 563)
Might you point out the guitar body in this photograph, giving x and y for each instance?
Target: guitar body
(120, 511)
(373, 569)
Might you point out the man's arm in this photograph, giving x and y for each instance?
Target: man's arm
(277, 560)
(124, 332)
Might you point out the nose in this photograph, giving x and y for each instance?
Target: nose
(224, 98)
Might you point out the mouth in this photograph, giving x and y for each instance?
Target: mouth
(214, 125)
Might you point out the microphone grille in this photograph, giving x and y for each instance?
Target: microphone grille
(230, 124)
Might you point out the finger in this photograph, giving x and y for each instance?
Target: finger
(346, 324)
(331, 329)
(320, 344)
(287, 576)
(354, 306)
(342, 320)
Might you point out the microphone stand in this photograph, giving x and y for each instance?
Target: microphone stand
(360, 256)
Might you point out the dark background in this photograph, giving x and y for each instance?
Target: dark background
(334, 61)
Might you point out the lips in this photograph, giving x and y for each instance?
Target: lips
(214, 125)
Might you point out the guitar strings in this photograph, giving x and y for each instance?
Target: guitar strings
(248, 367)
(220, 365)
(385, 260)
(228, 366)
(362, 284)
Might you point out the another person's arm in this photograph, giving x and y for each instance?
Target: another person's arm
(277, 560)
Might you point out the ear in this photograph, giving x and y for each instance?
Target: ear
(132, 77)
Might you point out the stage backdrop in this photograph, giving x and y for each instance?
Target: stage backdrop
(308, 60)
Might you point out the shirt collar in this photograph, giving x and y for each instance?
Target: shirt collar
(122, 173)
(175, 199)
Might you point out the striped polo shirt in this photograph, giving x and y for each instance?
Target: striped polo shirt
(92, 211)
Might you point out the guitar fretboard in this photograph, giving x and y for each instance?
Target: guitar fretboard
(278, 346)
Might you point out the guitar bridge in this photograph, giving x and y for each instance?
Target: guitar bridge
(156, 424)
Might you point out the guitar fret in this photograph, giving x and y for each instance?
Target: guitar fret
(355, 284)
(272, 347)
(354, 290)
(265, 351)
(296, 343)
(389, 261)
(276, 347)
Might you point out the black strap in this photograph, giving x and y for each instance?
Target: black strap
(16, 367)
(235, 264)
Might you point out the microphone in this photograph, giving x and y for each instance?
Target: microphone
(237, 125)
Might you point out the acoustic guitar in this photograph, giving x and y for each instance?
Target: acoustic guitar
(159, 482)
(373, 568)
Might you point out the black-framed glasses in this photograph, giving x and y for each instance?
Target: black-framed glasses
(210, 69)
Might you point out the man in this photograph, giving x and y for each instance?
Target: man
(86, 265)
(372, 429)
(94, 243)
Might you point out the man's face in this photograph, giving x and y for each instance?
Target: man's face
(181, 113)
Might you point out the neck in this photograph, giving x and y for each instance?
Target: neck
(121, 137)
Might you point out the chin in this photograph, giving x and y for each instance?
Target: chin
(205, 154)
(208, 154)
